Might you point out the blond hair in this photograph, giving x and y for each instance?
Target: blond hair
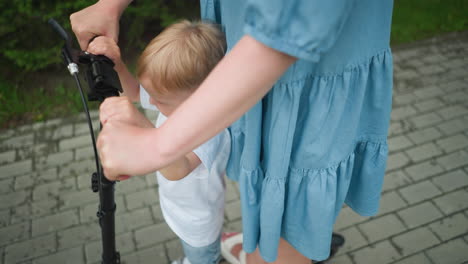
(182, 56)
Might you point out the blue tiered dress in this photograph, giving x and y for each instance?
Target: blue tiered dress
(318, 138)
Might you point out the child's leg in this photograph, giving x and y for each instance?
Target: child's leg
(210, 254)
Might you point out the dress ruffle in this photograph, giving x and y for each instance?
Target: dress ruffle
(297, 168)
(303, 204)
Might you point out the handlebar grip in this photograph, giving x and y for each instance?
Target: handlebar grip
(59, 29)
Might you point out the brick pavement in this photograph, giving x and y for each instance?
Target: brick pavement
(47, 213)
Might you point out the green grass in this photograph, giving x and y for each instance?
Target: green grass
(39, 100)
(420, 19)
(18, 106)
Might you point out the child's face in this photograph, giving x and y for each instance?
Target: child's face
(165, 102)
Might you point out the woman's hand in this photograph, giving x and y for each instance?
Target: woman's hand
(123, 150)
(100, 19)
(106, 46)
(120, 109)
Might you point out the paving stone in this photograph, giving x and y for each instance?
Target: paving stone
(131, 185)
(424, 135)
(454, 63)
(399, 127)
(415, 241)
(233, 210)
(84, 153)
(396, 161)
(132, 220)
(93, 251)
(373, 229)
(12, 233)
(394, 180)
(54, 222)
(431, 104)
(14, 169)
(452, 111)
(231, 191)
(453, 126)
(35, 178)
(125, 243)
(83, 128)
(53, 189)
(455, 97)
(78, 235)
(6, 185)
(343, 259)
(403, 99)
(453, 143)
(402, 112)
(174, 249)
(451, 180)
(434, 59)
(419, 214)
(425, 120)
(452, 252)
(450, 227)
(147, 256)
(68, 256)
(7, 157)
(452, 202)
(233, 226)
(157, 213)
(75, 142)
(18, 141)
(354, 240)
(141, 198)
(55, 159)
(82, 169)
(423, 152)
(382, 252)
(431, 69)
(415, 259)
(4, 217)
(398, 143)
(406, 75)
(428, 92)
(13, 199)
(77, 198)
(55, 133)
(423, 170)
(390, 202)
(153, 234)
(419, 191)
(29, 249)
(453, 160)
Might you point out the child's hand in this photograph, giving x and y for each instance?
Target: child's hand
(122, 110)
(105, 46)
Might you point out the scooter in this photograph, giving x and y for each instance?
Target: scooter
(103, 82)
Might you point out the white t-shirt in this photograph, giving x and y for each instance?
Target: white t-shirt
(193, 207)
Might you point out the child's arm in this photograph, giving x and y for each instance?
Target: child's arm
(181, 167)
(106, 46)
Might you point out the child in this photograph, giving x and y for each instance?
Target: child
(191, 189)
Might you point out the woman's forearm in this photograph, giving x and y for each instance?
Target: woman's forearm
(116, 7)
(236, 84)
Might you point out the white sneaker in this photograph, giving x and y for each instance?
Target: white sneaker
(181, 260)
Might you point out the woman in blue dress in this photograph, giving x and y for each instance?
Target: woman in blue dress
(306, 89)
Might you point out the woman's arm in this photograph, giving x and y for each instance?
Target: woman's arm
(100, 19)
(239, 81)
